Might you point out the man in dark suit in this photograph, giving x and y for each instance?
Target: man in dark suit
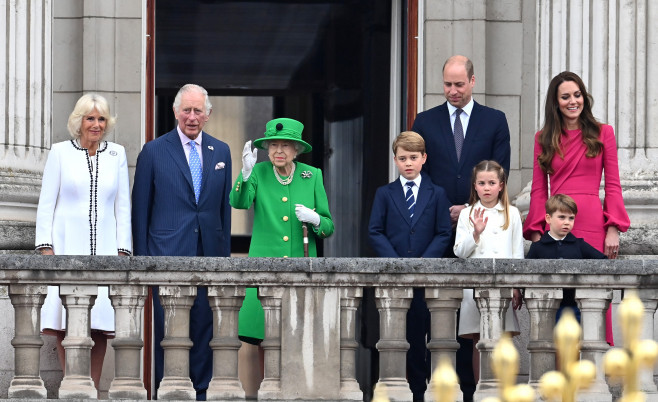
(181, 208)
(458, 135)
(483, 130)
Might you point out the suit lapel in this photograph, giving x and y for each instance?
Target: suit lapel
(175, 149)
(448, 137)
(397, 196)
(424, 194)
(208, 152)
(471, 131)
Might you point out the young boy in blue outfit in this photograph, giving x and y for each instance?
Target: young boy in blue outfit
(560, 243)
(411, 218)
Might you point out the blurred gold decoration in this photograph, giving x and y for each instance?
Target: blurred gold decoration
(574, 375)
(626, 362)
(505, 364)
(444, 382)
(380, 394)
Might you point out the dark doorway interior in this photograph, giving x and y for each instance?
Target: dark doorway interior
(325, 63)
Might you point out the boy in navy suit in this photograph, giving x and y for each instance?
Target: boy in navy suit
(559, 243)
(411, 218)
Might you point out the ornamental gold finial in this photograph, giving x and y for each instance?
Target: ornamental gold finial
(505, 365)
(380, 393)
(444, 382)
(636, 354)
(574, 375)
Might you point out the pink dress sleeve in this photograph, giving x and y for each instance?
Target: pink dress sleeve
(535, 221)
(614, 211)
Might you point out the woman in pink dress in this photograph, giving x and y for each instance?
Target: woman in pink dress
(572, 151)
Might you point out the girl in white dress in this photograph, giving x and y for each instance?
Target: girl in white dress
(489, 228)
(84, 209)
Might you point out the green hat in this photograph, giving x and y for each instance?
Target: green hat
(283, 129)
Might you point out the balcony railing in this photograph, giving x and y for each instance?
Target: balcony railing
(310, 309)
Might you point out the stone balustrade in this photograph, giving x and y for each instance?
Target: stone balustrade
(310, 312)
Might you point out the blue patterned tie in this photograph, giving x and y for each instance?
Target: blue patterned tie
(195, 169)
(411, 200)
(458, 133)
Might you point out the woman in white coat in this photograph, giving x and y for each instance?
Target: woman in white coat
(84, 209)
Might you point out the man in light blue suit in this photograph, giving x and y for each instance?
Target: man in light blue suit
(180, 208)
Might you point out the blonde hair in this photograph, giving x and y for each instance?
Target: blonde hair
(491, 166)
(85, 105)
(409, 141)
(562, 203)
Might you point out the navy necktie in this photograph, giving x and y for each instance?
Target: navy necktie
(458, 133)
(195, 169)
(409, 196)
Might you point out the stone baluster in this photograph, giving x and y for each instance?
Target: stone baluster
(27, 301)
(78, 301)
(443, 305)
(593, 304)
(128, 303)
(270, 298)
(393, 304)
(649, 299)
(176, 302)
(225, 302)
(349, 302)
(492, 304)
(542, 304)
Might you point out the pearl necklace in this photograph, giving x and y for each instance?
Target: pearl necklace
(282, 181)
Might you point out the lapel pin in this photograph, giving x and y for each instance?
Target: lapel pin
(210, 147)
(220, 165)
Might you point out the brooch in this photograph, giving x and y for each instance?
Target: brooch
(113, 153)
(306, 174)
(210, 147)
(220, 165)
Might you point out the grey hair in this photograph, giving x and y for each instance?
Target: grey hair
(299, 148)
(192, 88)
(85, 105)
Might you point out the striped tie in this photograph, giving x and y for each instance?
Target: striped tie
(458, 133)
(411, 200)
(195, 169)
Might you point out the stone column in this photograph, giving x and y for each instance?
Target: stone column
(443, 305)
(128, 303)
(225, 302)
(542, 305)
(593, 304)
(25, 101)
(78, 301)
(176, 302)
(270, 298)
(492, 304)
(393, 304)
(649, 299)
(27, 301)
(349, 302)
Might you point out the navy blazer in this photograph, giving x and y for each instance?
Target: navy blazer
(487, 138)
(166, 219)
(393, 234)
(571, 247)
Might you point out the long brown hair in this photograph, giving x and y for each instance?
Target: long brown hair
(551, 133)
(491, 166)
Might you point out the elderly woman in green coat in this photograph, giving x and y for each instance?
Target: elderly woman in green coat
(285, 194)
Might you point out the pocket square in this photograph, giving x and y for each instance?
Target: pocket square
(220, 165)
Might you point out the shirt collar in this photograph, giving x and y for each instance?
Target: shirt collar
(555, 238)
(416, 180)
(184, 139)
(467, 109)
(497, 207)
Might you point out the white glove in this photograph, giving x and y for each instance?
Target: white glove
(248, 160)
(307, 215)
